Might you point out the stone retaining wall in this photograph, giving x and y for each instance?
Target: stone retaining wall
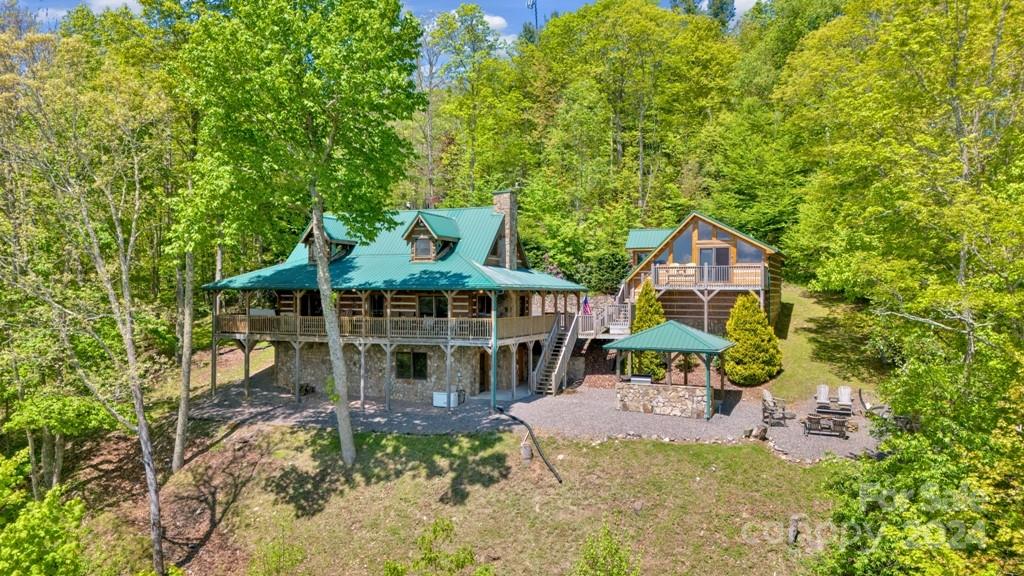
(686, 401)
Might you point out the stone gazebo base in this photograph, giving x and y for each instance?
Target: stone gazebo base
(685, 401)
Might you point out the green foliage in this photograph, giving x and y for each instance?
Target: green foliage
(602, 272)
(277, 113)
(604, 555)
(434, 558)
(649, 314)
(276, 558)
(37, 538)
(68, 415)
(910, 208)
(756, 356)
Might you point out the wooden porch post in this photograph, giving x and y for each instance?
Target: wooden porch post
(297, 300)
(447, 347)
(514, 348)
(707, 387)
(618, 364)
(629, 364)
(450, 297)
(387, 318)
(529, 365)
(706, 298)
(578, 303)
(245, 300)
(362, 375)
(297, 345)
(363, 295)
(669, 355)
(246, 346)
(388, 375)
(494, 349)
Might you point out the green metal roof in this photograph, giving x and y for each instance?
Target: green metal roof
(441, 226)
(672, 336)
(640, 238)
(385, 263)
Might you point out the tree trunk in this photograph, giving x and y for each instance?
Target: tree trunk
(46, 457)
(152, 486)
(58, 459)
(323, 278)
(178, 320)
(33, 473)
(180, 434)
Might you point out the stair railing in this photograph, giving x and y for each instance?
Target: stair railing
(562, 362)
(546, 351)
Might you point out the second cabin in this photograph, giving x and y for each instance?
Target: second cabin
(700, 267)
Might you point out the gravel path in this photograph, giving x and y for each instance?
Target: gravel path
(585, 413)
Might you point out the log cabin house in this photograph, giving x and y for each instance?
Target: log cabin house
(444, 303)
(699, 268)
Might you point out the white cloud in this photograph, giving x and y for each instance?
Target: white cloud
(496, 22)
(48, 15)
(743, 5)
(101, 5)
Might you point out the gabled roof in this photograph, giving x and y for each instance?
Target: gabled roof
(720, 224)
(672, 336)
(441, 226)
(686, 221)
(335, 229)
(641, 238)
(384, 264)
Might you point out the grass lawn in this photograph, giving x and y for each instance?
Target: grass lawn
(822, 342)
(277, 496)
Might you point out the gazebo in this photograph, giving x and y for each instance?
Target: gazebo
(673, 337)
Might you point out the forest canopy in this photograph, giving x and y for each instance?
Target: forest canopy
(876, 142)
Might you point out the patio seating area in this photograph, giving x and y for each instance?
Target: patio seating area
(832, 414)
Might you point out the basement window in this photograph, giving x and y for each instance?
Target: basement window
(411, 365)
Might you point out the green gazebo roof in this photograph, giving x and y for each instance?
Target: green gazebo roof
(672, 336)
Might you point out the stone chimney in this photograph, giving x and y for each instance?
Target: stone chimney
(505, 203)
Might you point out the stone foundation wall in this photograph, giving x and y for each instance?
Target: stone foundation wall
(686, 401)
(316, 369)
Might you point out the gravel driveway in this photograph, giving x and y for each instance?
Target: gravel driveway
(588, 413)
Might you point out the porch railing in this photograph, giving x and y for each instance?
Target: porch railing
(375, 327)
(694, 276)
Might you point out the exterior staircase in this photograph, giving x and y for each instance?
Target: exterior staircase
(549, 376)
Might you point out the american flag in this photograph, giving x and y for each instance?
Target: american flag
(586, 306)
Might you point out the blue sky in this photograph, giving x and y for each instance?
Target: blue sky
(506, 16)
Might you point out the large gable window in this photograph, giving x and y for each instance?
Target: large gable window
(747, 253)
(704, 231)
(682, 247)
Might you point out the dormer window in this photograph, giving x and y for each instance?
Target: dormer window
(423, 249)
(337, 250)
(430, 236)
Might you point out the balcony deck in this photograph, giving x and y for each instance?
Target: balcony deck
(403, 329)
(685, 277)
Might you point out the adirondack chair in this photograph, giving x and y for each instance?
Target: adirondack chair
(821, 398)
(773, 410)
(845, 402)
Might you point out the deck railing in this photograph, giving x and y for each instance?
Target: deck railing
(375, 327)
(741, 276)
